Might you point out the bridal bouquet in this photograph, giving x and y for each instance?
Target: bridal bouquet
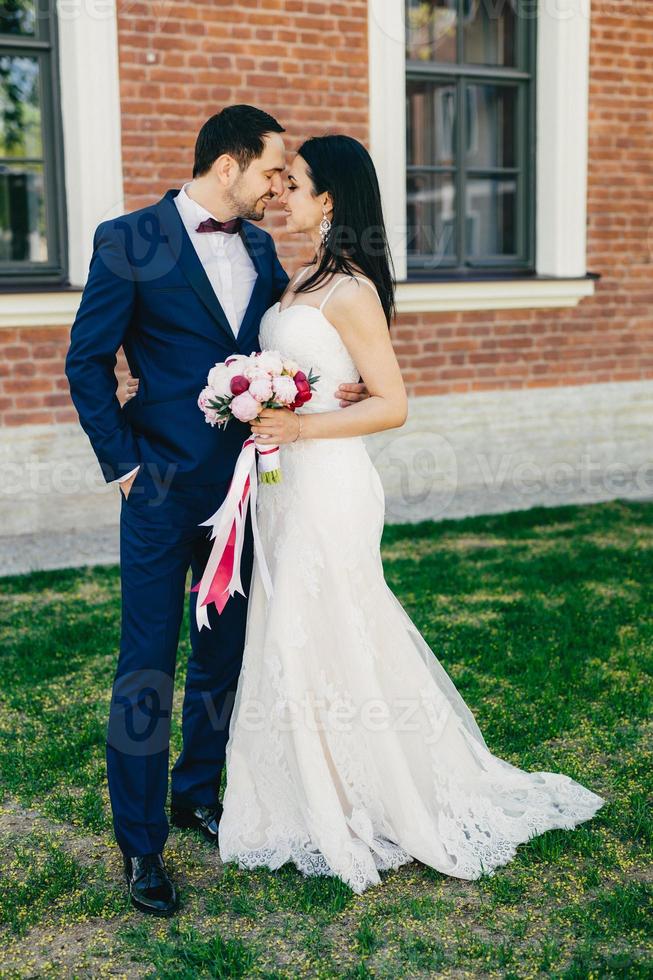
(244, 385)
(241, 387)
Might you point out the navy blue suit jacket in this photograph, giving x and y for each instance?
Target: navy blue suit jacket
(147, 291)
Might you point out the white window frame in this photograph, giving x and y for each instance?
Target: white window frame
(563, 53)
(90, 107)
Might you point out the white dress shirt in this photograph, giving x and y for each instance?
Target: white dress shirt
(226, 261)
(225, 258)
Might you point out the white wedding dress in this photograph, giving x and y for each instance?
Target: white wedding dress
(351, 751)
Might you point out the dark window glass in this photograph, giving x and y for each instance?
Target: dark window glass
(32, 213)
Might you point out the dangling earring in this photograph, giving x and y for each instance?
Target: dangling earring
(325, 225)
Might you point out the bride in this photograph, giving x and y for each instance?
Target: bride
(351, 751)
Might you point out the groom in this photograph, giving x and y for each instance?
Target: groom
(180, 285)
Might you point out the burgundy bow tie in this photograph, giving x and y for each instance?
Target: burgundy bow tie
(229, 227)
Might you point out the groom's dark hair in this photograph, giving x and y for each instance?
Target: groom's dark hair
(237, 130)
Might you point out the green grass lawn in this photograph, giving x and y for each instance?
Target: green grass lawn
(543, 619)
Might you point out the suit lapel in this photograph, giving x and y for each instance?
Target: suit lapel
(248, 330)
(188, 260)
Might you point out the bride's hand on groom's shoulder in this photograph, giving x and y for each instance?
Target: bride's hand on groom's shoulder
(349, 394)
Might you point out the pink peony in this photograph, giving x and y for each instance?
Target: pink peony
(212, 417)
(261, 388)
(205, 396)
(245, 407)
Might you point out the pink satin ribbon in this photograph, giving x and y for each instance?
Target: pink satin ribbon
(221, 577)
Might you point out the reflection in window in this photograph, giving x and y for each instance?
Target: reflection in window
(22, 194)
(489, 32)
(20, 110)
(489, 216)
(491, 125)
(431, 216)
(431, 123)
(17, 17)
(431, 30)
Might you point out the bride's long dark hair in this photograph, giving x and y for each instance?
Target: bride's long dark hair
(357, 238)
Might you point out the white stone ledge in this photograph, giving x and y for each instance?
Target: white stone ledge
(55, 309)
(427, 297)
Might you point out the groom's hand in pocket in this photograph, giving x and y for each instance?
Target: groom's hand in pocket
(126, 485)
(349, 394)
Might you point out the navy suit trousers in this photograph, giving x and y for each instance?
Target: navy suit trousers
(159, 541)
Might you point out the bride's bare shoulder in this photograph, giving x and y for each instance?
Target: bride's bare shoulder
(355, 301)
(353, 286)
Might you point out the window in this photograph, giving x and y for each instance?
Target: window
(470, 145)
(32, 212)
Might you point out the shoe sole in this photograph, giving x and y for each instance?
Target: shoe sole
(160, 913)
(142, 907)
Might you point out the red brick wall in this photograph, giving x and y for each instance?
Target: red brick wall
(33, 387)
(306, 63)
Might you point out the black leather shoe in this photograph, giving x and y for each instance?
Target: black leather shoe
(150, 888)
(202, 818)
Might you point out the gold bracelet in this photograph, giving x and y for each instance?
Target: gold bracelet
(299, 430)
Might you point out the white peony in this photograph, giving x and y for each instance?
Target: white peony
(220, 379)
(285, 389)
(239, 359)
(261, 388)
(270, 360)
(253, 372)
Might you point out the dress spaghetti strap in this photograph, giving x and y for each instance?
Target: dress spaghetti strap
(344, 279)
(291, 288)
(300, 276)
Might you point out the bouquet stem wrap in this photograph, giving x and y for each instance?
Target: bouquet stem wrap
(269, 465)
(221, 577)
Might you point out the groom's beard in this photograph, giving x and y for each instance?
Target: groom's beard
(250, 210)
